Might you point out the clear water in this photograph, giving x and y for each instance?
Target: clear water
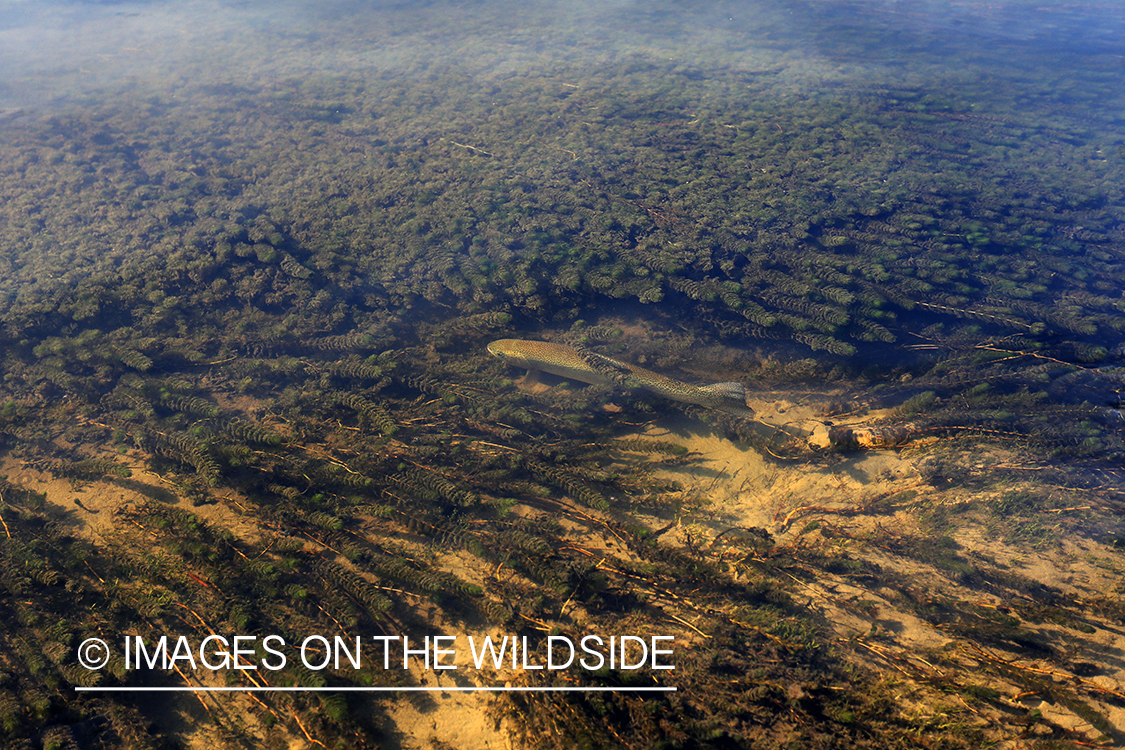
(253, 253)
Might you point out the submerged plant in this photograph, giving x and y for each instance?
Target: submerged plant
(290, 335)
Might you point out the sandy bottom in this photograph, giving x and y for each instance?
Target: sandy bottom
(733, 491)
(741, 491)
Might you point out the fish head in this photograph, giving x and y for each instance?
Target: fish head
(496, 348)
(507, 350)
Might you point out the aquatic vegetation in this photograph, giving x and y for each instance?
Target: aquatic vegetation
(290, 334)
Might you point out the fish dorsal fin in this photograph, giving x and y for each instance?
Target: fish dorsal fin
(605, 363)
(616, 371)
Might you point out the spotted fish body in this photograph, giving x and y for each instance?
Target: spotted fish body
(588, 367)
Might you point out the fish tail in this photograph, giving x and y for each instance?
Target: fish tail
(728, 394)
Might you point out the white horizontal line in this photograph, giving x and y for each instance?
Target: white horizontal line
(201, 689)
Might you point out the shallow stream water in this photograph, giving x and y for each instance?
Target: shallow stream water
(251, 256)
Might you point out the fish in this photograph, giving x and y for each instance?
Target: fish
(597, 369)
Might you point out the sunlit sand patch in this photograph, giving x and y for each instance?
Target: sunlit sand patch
(872, 506)
(92, 505)
(446, 719)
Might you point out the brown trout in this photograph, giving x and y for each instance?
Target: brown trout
(596, 369)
